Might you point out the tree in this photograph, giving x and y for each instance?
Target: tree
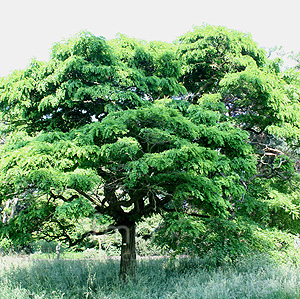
(71, 154)
(111, 132)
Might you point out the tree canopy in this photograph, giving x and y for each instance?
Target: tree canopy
(203, 131)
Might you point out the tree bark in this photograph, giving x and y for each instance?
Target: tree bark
(128, 251)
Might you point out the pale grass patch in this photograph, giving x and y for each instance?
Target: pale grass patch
(22, 278)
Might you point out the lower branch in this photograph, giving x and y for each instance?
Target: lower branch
(110, 229)
(189, 214)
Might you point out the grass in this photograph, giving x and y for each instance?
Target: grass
(252, 278)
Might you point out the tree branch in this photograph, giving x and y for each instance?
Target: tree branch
(189, 214)
(94, 201)
(60, 196)
(109, 229)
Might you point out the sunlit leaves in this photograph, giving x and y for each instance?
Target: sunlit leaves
(82, 179)
(76, 209)
(90, 47)
(123, 150)
(210, 52)
(84, 81)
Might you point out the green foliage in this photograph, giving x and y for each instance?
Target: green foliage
(274, 207)
(260, 94)
(149, 150)
(210, 52)
(6, 246)
(86, 45)
(218, 239)
(157, 61)
(145, 245)
(76, 209)
(83, 81)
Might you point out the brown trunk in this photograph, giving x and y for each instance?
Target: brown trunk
(128, 252)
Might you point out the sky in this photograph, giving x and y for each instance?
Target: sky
(29, 28)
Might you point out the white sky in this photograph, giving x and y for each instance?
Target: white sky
(29, 28)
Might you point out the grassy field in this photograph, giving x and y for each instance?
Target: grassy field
(252, 278)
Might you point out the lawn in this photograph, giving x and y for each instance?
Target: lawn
(257, 277)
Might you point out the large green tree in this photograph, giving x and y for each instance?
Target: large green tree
(200, 131)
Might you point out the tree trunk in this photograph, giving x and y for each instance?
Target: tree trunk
(128, 251)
